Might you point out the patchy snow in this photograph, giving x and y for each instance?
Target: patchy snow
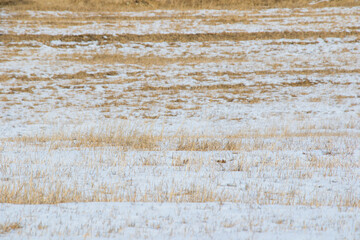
(192, 22)
(291, 106)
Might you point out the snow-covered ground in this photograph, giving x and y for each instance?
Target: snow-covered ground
(225, 137)
(201, 21)
(181, 221)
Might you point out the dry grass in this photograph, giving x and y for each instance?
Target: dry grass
(106, 136)
(106, 58)
(186, 143)
(56, 192)
(84, 19)
(177, 37)
(84, 75)
(327, 71)
(9, 226)
(42, 186)
(23, 78)
(16, 90)
(253, 153)
(116, 5)
(131, 138)
(32, 193)
(148, 87)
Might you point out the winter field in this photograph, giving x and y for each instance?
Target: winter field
(169, 124)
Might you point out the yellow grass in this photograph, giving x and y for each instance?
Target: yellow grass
(176, 37)
(45, 187)
(9, 226)
(107, 136)
(145, 138)
(116, 5)
(57, 192)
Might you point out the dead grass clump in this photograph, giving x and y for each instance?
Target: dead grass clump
(198, 194)
(32, 193)
(4, 77)
(173, 106)
(178, 161)
(228, 20)
(302, 83)
(149, 161)
(5, 3)
(240, 166)
(9, 226)
(117, 136)
(23, 90)
(83, 75)
(315, 99)
(24, 78)
(198, 144)
(132, 140)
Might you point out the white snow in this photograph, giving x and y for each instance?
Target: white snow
(293, 109)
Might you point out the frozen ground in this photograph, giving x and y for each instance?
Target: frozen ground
(201, 21)
(181, 221)
(124, 125)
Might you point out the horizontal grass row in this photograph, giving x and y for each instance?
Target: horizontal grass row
(116, 5)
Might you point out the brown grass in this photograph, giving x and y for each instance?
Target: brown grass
(147, 87)
(32, 193)
(56, 192)
(198, 144)
(24, 78)
(84, 75)
(106, 58)
(9, 226)
(129, 138)
(117, 136)
(41, 187)
(326, 71)
(176, 37)
(15, 90)
(116, 5)
(38, 191)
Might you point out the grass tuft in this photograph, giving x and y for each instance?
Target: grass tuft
(9, 226)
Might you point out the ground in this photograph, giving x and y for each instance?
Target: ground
(180, 124)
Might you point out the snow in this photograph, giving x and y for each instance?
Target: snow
(180, 221)
(293, 109)
(329, 19)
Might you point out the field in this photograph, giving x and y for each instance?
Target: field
(180, 123)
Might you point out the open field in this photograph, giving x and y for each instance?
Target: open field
(224, 124)
(141, 5)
